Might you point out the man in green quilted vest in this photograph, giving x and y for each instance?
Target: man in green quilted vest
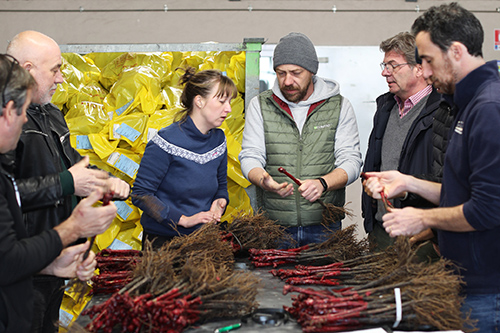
(304, 125)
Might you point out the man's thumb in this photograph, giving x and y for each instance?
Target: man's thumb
(77, 249)
(95, 196)
(84, 162)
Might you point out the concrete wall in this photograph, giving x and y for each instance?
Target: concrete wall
(330, 23)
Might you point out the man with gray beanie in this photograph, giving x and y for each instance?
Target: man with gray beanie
(304, 125)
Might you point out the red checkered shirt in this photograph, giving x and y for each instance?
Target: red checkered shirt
(411, 101)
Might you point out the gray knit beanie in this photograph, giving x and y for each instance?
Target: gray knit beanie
(296, 49)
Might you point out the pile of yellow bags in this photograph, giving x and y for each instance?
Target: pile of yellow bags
(114, 103)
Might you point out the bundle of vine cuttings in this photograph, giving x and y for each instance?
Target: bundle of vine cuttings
(363, 269)
(254, 232)
(186, 281)
(414, 296)
(115, 270)
(338, 245)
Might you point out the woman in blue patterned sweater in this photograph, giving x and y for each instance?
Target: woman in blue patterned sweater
(185, 164)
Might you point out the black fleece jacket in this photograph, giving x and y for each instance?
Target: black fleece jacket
(416, 155)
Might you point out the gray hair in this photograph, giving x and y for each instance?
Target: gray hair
(15, 82)
(404, 44)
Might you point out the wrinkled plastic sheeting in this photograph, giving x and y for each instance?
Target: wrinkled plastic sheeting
(161, 64)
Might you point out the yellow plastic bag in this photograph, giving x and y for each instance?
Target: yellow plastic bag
(238, 201)
(129, 128)
(218, 60)
(126, 211)
(105, 239)
(92, 92)
(193, 59)
(86, 117)
(138, 87)
(70, 309)
(160, 119)
(125, 162)
(88, 72)
(61, 96)
(172, 78)
(101, 144)
(171, 97)
(159, 63)
(95, 160)
(236, 71)
(120, 233)
(72, 76)
(235, 121)
(102, 59)
(125, 240)
(138, 232)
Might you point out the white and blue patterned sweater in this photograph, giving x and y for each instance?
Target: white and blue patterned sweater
(186, 170)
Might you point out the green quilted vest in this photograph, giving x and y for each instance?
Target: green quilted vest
(306, 156)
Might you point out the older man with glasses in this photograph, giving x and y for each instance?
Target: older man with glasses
(401, 138)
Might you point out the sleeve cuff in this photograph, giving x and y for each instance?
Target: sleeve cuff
(173, 215)
(67, 184)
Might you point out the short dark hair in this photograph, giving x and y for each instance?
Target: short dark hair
(15, 82)
(450, 23)
(403, 43)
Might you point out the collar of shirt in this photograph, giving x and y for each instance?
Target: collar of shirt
(410, 102)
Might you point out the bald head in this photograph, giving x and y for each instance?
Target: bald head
(41, 56)
(30, 46)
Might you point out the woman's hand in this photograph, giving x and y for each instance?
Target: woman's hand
(201, 217)
(218, 207)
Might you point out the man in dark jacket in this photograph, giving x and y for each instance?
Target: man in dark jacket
(401, 137)
(23, 256)
(449, 40)
(52, 174)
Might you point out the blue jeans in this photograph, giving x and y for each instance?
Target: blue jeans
(310, 234)
(485, 308)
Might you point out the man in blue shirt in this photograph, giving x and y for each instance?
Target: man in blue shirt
(449, 40)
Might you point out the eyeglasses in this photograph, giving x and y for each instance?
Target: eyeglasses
(390, 67)
(14, 62)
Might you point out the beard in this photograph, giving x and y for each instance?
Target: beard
(297, 96)
(446, 85)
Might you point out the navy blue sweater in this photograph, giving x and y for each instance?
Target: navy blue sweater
(471, 177)
(186, 170)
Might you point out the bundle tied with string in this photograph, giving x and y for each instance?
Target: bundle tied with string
(337, 246)
(404, 293)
